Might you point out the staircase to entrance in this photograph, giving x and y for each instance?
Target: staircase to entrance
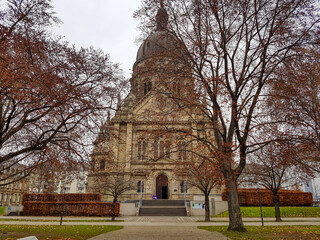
(163, 207)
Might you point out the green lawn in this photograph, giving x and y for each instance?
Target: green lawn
(50, 220)
(270, 233)
(54, 232)
(285, 212)
(2, 210)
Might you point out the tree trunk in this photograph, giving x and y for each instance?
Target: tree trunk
(114, 209)
(207, 208)
(235, 218)
(276, 202)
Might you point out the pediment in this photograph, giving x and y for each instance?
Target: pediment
(159, 108)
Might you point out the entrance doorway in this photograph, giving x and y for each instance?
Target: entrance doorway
(162, 186)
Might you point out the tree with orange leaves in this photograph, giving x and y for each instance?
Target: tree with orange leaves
(274, 168)
(52, 96)
(204, 174)
(295, 103)
(235, 48)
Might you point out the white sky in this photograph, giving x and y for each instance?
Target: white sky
(105, 24)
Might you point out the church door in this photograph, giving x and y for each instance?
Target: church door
(162, 186)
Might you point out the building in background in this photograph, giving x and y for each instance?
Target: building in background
(146, 139)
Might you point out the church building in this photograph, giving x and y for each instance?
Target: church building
(151, 132)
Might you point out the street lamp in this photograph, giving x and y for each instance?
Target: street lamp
(141, 188)
(62, 206)
(260, 206)
(185, 192)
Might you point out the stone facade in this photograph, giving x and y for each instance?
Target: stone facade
(148, 136)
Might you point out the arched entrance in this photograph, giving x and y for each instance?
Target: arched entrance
(162, 186)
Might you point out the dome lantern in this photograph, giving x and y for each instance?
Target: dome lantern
(162, 18)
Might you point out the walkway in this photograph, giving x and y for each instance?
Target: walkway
(160, 233)
(156, 221)
(137, 227)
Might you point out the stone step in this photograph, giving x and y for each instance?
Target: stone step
(163, 206)
(162, 202)
(162, 211)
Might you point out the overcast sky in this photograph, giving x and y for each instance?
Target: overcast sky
(105, 24)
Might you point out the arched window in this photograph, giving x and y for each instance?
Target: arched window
(161, 148)
(155, 148)
(93, 163)
(183, 186)
(140, 186)
(142, 150)
(167, 146)
(102, 164)
(147, 86)
(182, 150)
(176, 88)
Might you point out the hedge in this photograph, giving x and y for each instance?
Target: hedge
(68, 197)
(250, 197)
(70, 204)
(40, 208)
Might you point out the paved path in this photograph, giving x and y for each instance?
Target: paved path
(160, 233)
(157, 221)
(143, 228)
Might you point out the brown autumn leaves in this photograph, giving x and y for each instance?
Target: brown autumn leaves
(52, 95)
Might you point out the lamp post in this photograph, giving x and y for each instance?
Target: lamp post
(185, 193)
(141, 187)
(260, 206)
(62, 206)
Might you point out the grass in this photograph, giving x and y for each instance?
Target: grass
(2, 210)
(270, 232)
(285, 212)
(50, 220)
(54, 232)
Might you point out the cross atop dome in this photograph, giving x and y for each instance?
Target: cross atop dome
(162, 18)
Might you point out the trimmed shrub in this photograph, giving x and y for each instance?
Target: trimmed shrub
(40, 208)
(250, 197)
(68, 197)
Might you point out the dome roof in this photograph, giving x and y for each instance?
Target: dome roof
(158, 43)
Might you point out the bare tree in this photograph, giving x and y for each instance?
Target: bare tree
(52, 96)
(295, 101)
(274, 168)
(234, 48)
(202, 174)
(113, 184)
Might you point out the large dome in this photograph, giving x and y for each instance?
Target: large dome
(159, 43)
